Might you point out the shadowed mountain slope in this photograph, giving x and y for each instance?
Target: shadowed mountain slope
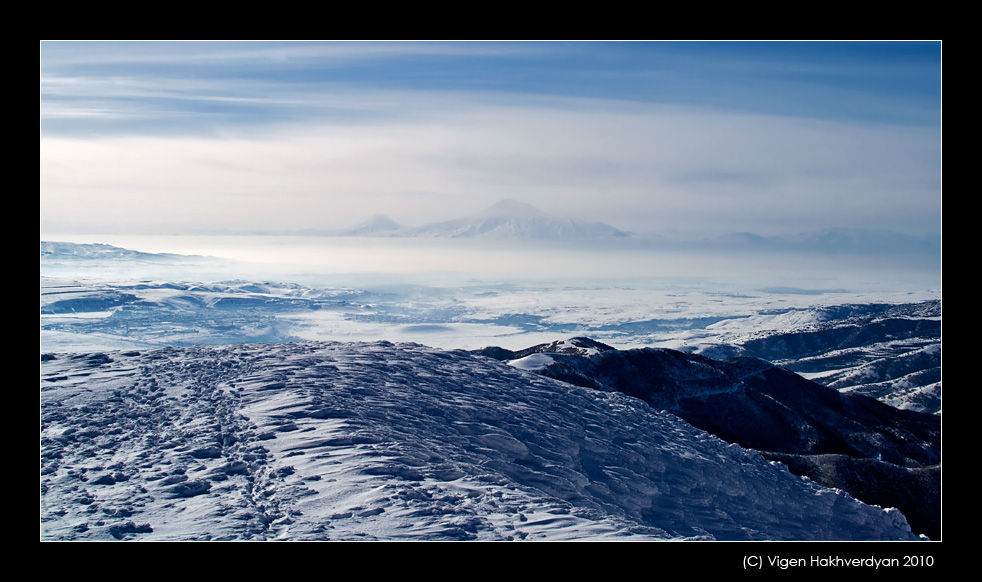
(839, 440)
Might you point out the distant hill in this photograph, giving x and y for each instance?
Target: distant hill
(58, 251)
(832, 240)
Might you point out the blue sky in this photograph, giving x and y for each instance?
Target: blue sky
(686, 139)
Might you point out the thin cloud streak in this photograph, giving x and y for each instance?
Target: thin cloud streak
(254, 53)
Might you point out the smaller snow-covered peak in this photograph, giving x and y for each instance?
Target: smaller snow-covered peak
(538, 358)
(379, 223)
(581, 346)
(575, 346)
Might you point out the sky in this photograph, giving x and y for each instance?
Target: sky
(683, 139)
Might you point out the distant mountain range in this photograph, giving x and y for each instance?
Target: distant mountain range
(515, 220)
(512, 219)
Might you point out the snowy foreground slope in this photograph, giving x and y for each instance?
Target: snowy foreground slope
(317, 441)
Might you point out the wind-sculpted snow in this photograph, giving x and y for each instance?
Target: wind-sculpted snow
(881, 454)
(318, 441)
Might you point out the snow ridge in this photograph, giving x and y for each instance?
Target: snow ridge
(384, 441)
